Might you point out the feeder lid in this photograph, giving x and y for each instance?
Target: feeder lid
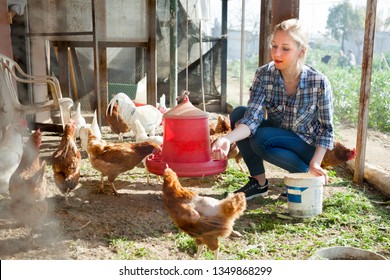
(185, 110)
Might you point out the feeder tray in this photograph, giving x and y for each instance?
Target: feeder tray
(345, 253)
(186, 145)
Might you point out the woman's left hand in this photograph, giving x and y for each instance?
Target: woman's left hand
(316, 169)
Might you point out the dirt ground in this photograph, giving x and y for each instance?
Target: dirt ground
(83, 230)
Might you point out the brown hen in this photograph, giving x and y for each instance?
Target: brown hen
(338, 155)
(27, 187)
(114, 119)
(112, 159)
(221, 128)
(206, 219)
(66, 162)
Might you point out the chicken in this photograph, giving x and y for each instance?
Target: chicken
(220, 129)
(27, 187)
(142, 136)
(112, 159)
(66, 162)
(22, 181)
(11, 150)
(114, 119)
(206, 219)
(162, 107)
(149, 116)
(338, 155)
(222, 125)
(79, 119)
(28, 198)
(94, 126)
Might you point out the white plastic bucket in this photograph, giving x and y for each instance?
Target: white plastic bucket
(304, 194)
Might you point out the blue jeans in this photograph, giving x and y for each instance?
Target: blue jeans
(275, 145)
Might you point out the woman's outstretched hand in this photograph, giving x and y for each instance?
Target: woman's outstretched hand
(220, 148)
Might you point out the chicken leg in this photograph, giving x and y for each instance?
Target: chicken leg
(113, 188)
(101, 189)
(199, 251)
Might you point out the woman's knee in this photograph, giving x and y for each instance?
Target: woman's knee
(237, 114)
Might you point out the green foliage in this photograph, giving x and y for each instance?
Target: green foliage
(346, 84)
(349, 218)
(128, 250)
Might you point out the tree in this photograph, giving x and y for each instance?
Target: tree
(345, 22)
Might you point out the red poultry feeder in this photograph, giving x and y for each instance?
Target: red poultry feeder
(186, 147)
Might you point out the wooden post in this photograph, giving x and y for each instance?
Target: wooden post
(272, 12)
(5, 31)
(173, 49)
(151, 58)
(224, 50)
(265, 31)
(365, 88)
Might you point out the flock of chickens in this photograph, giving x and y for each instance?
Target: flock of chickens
(23, 173)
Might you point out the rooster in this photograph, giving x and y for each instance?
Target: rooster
(112, 159)
(149, 116)
(11, 150)
(66, 162)
(205, 219)
(114, 119)
(338, 155)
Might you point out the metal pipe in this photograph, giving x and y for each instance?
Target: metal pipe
(242, 53)
(173, 54)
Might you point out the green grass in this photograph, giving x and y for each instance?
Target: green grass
(129, 250)
(351, 217)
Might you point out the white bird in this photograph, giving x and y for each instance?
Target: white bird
(11, 150)
(162, 104)
(142, 136)
(149, 116)
(79, 119)
(94, 126)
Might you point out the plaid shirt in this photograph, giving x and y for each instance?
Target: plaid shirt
(308, 113)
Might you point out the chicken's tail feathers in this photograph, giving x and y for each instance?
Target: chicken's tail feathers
(234, 205)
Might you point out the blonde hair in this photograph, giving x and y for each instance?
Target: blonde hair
(294, 28)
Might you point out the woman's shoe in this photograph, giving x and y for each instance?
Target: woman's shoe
(252, 189)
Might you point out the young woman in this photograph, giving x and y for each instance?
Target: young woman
(298, 101)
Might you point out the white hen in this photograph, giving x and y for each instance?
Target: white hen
(142, 136)
(79, 119)
(94, 126)
(149, 116)
(162, 104)
(11, 150)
